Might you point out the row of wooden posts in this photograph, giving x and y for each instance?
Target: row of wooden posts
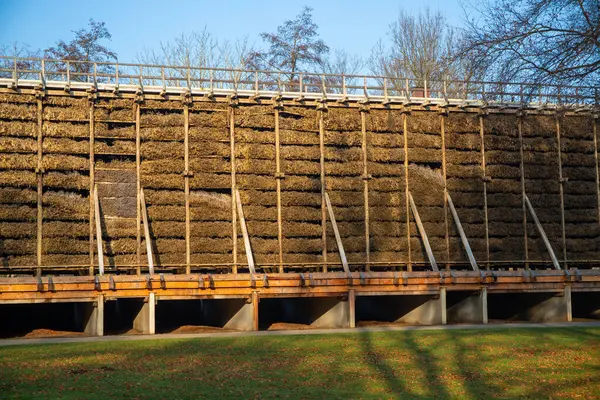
(322, 108)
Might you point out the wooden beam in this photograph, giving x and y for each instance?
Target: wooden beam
(461, 232)
(407, 195)
(561, 182)
(366, 177)
(423, 234)
(523, 206)
(40, 184)
(445, 176)
(542, 233)
(186, 179)
(147, 237)
(278, 178)
(92, 192)
(233, 186)
(323, 188)
(338, 238)
(595, 131)
(484, 178)
(98, 231)
(247, 246)
(138, 160)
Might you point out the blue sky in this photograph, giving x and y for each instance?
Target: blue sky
(135, 25)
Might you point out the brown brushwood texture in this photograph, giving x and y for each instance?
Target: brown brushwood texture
(66, 181)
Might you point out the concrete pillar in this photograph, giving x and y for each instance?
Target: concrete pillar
(241, 315)
(352, 305)
(145, 320)
(331, 312)
(468, 307)
(92, 317)
(569, 305)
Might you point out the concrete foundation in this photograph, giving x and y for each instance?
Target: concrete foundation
(238, 314)
(407, 309)
(467, 307)
(586, 305)
(531, 307)
(316, 312)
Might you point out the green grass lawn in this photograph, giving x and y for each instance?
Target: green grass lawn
(514, 363)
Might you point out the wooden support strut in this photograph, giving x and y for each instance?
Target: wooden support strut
(366, 177)
(461, 232)
(561, 182)
(524, 207)
(278, 177)
(186, 178)
(423, 234)
(444, 174)
(484, 178)
(323, 189)
(406, 188)
(233, 186)
(595, 132)
(98, 231)
(338, 238)
(92, 192)
(247, 246)
(40, 183)
(138, 187)
(542, 233)
(147, 233)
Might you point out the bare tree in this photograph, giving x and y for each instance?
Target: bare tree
(422, 49)
(84, 47)
(293, 49)
(339, 64)
(20, 54)
(539, 41)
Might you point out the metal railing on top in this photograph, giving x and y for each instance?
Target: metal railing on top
(67, 73)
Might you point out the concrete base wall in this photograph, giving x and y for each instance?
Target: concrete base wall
(317, 312)
(532, 307)
(238, 314)
(586, 305)
(145, 320)
(467, 307)
(93, 317)
(408, 309)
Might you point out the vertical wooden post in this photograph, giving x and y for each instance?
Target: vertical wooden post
(484, 178)
(186, 178)
(445, 175)
(233, 185)
(561, 181)
(40, 183)
(595, 130)
(278, 177)
(323, 205)
(92, 185)
(363, 111)
(523, 204)
(406, 189)
(138, 160)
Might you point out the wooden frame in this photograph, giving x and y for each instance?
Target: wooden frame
(461, 232)
(247, 246)
(98, 232)
(338, 238)
(542, 233)
(423, 233)
(147, 232)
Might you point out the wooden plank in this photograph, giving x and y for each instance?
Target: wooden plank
(278, 177)
(323, 189)
(423, 234)
(92, 192)
(338, 238)
(98, 232)
(484, 178)
(365, 156)
(461, 232)
(40, 187)
(233, 187)
(186, 178)
(542, 233)
(138, 159)
(247, 246)
(147, 233)
(406, 189)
